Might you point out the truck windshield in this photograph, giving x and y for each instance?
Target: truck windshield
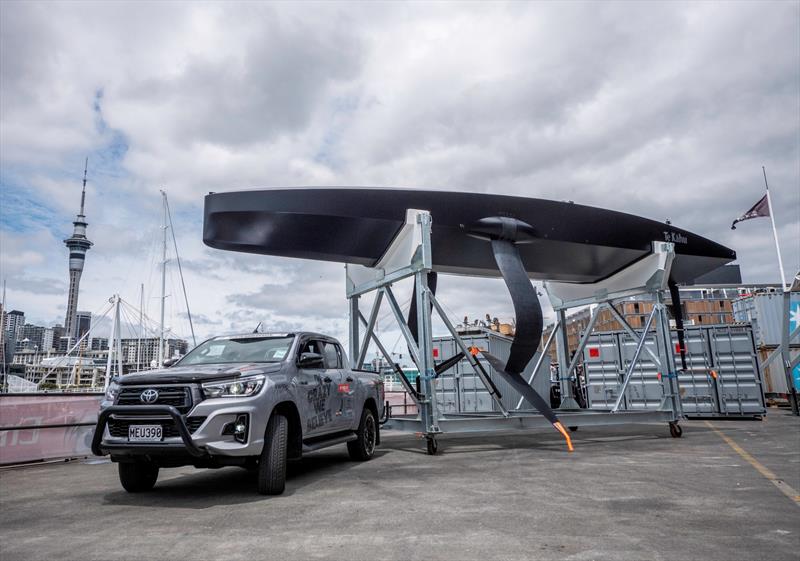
(239, 349)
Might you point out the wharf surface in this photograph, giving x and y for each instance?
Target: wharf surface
(723, 491)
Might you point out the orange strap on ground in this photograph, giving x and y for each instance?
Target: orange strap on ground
(560, 428)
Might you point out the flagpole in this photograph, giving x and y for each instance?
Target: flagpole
(774, 231)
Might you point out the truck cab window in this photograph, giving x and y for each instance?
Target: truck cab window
(312, 347)
(331, 356)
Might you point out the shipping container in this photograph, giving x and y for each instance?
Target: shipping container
(722, 376)
(764, 311)
(460, 390)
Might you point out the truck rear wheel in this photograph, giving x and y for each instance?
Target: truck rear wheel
(272, 463)
(137, 477)
(363, 448)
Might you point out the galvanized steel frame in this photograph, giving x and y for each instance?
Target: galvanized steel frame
(430, 421)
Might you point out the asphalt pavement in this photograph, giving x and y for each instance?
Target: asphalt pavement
(727, 490)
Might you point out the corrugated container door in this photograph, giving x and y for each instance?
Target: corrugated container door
(698, 387)
(602, 363)
(645, 390)
(735, 360)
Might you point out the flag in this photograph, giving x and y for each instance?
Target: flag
(761, 208)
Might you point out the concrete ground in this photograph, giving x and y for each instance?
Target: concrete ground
(625, 493)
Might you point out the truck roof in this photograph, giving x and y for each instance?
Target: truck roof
(252, 335)
(310, 334)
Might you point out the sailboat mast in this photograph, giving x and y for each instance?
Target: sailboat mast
(163, 282)
(141, 330)
(3, 329)
(180, 271)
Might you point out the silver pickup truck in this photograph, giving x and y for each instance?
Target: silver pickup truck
(251, 400)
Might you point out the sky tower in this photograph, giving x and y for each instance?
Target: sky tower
(78, 245)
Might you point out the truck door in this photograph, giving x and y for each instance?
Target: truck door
(315, 392)
(344, 387)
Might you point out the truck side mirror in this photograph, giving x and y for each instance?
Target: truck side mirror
(169, 362)
(310, 360)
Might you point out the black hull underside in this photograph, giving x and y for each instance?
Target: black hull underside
(571, 242)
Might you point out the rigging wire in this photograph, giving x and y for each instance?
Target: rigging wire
(180, 270)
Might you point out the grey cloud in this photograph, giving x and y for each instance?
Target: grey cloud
(201, 319)
(667, 110)
(314, 298)
(219, 264)
(271, 87)
(38, 285)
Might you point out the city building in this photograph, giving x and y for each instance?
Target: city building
(78, 244)
(14, 320)
(143, 353)
(63, 344)
(83, 321)
(66, 371)
(99, 344)
(34, 337)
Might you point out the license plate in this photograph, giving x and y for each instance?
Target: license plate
(144, 433)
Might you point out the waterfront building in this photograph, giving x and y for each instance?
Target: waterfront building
(99, 344)
(33, 337)
(143, 353)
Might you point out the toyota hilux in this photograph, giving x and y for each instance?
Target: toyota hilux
(254, 400)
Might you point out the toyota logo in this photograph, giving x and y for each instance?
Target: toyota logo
(148, 396)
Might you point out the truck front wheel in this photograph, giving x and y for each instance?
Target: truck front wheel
(272, 463)
(137, 477)
(363, 448)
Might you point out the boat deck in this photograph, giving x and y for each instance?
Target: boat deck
(726, 490)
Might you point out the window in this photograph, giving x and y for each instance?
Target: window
(312, 347)
(331, 356)
(244, 348)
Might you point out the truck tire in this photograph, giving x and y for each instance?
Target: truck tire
(363, 448)
(272, 463)
(137, 477)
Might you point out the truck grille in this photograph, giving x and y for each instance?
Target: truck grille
(177, 396)
(118, 428)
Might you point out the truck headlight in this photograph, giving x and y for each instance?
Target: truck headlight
(112, 391)
(241, 387)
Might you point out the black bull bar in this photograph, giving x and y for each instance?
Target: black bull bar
(169, 410)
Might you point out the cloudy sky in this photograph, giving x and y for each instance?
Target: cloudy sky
(664, 110)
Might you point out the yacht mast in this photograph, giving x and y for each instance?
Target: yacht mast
(3, 329)
(163, 283)
(141, 330)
